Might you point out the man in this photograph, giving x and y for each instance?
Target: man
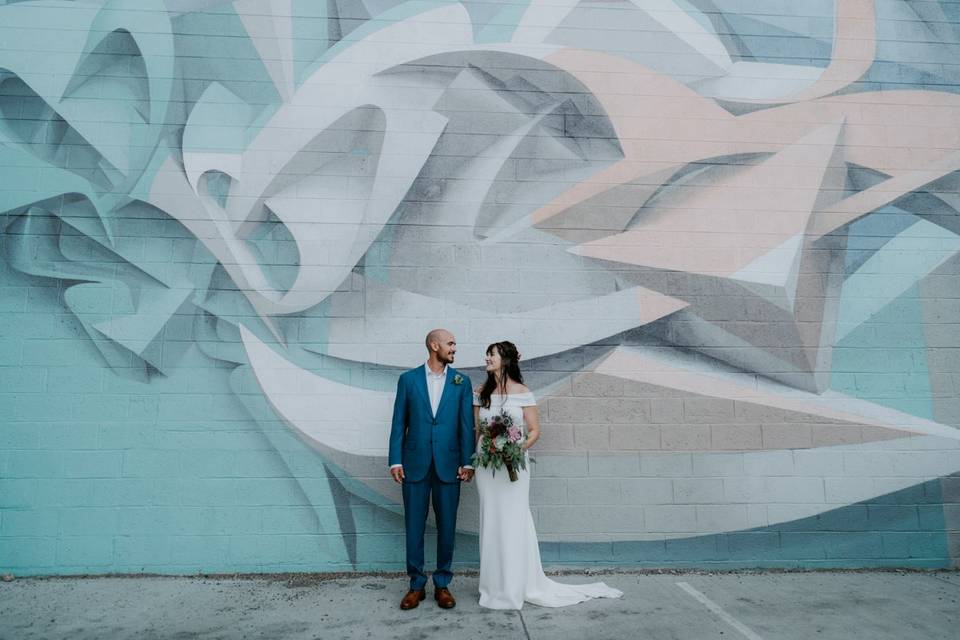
(431, 447)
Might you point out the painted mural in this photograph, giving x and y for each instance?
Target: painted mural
(724, 234)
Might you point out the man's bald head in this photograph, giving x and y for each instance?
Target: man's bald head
(436, 336)
(441, 344)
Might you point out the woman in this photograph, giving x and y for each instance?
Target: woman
(510, 570)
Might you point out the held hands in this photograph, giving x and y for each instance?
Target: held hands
(465, 474)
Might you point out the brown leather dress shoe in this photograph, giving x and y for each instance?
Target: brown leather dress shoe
(444, 598)
(412, 599)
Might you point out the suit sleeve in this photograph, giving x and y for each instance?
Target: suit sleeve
(399, 425)
(467, 435)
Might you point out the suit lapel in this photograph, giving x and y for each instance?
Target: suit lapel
(421, 384)
(447, 391)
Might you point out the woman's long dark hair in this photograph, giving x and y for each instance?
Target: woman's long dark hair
(509, 367)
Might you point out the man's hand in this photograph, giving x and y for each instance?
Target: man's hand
(397, 473)
(465, 474)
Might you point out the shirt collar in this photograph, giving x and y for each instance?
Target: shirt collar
(431, 373)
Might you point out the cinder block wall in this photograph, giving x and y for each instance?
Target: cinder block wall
(723, 234)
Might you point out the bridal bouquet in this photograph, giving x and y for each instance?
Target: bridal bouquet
(501, 445)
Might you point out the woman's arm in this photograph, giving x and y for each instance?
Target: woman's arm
(476, 418)
(531, 417)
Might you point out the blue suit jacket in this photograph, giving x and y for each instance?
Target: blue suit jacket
(417, 437)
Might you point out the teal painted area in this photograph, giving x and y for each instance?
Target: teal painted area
(773, 32)
(883, 357)
(276, 251)
(384, 20)
(884, 360)
(313, 34)
(213, 45)
(782, 44)
(917, 46)
(171, 475)
(869, 235)
(496, 24)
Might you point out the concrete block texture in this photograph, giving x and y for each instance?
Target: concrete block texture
(723, 239)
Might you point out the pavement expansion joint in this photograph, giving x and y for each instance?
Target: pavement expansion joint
(523, 622)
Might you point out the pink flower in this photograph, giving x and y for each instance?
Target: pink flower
(514, 434)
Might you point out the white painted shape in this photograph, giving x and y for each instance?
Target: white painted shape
(408, 141)
(269, 25)
(338, 416)
(543, 17)
(344, 419)
(779, 268)
(395, 320)
(232, 116)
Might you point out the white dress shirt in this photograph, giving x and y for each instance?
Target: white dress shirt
(435, 382)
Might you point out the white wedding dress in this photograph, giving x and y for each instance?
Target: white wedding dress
(510, 570)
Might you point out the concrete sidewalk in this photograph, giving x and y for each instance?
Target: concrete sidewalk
(731, 606)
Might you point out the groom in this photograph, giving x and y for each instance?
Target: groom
(431, 447)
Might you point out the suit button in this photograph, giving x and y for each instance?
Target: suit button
(434, 422)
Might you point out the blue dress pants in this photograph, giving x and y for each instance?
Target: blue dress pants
(417, 497)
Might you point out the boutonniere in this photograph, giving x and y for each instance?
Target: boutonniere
(458, 379)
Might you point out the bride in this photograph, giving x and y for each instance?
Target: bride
(510, 570)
